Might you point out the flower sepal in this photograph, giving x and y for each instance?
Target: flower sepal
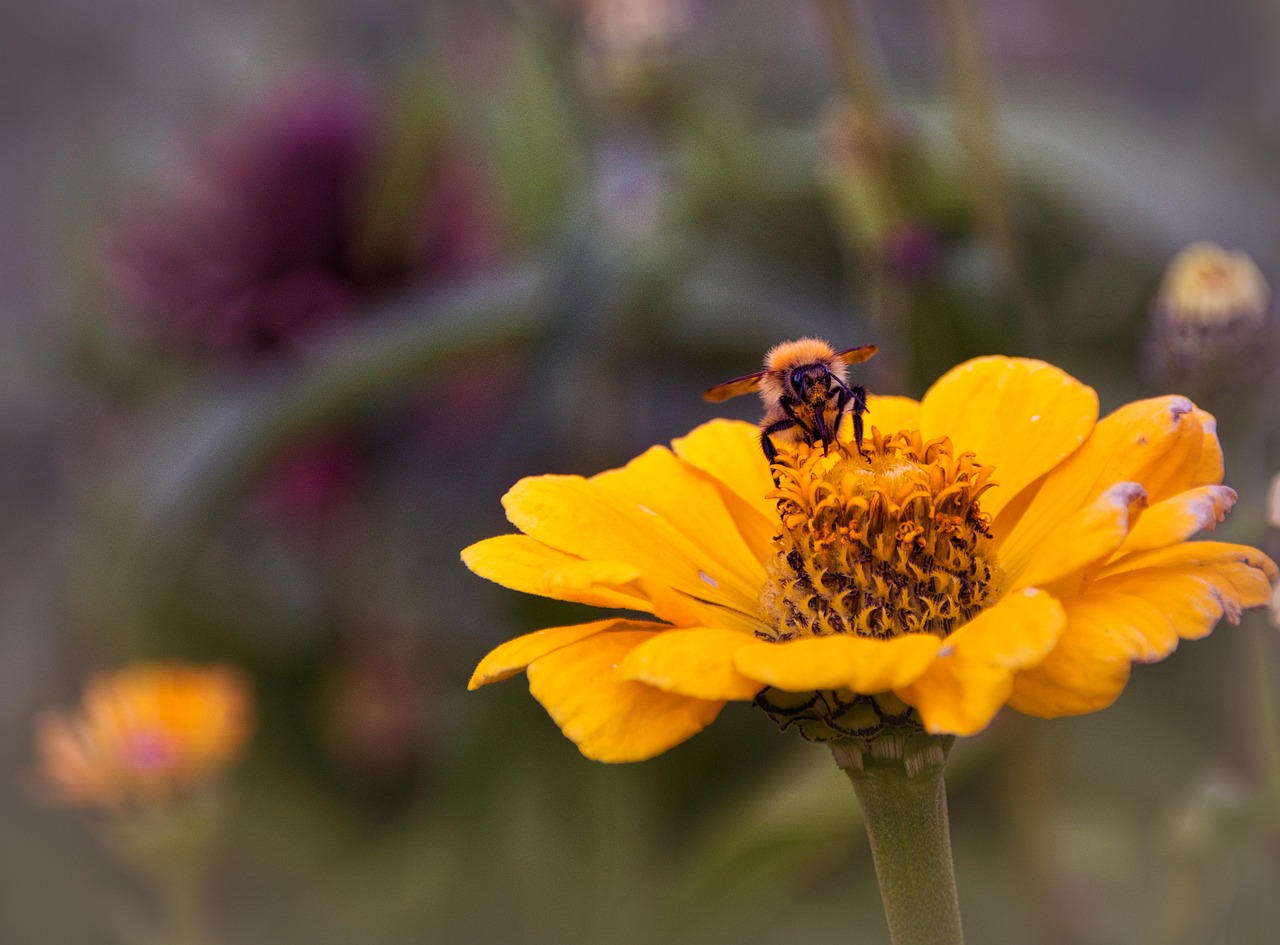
(905, 751)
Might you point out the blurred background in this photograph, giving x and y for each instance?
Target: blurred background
(290, 293)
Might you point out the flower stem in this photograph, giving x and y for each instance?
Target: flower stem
(849, 51)
(978, 131)
(906, 821)
(851, 55)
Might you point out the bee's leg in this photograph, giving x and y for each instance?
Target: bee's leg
(842, 395)
(858, 394)
(789, 408)
(766, 444)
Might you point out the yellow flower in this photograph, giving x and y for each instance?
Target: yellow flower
(146, 734)
(998, 545)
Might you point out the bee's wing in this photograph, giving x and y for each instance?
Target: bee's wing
(857, 355)
(739, 385)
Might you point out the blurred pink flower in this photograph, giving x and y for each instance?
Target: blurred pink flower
(311, 478)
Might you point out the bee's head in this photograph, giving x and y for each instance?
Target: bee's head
(805, 379)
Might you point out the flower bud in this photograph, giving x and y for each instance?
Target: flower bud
(1211, 319)
(629, 46)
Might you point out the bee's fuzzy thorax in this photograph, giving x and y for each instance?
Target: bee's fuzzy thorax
(789, 354)
(782, 358)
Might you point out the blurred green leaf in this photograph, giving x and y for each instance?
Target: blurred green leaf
(230, 441)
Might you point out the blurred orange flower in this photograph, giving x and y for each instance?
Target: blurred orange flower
(998, 545)
(146, 734)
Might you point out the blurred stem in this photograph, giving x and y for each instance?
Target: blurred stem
(906, 820)
(182, 895)
(1269, 734)
(1026, 786)
(977, 128)
(170, 847)
(853, 63)
(850, 53)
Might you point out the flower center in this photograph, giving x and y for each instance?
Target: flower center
(149, 751)
(879, 545)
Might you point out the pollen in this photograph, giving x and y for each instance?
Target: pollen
(891, 543)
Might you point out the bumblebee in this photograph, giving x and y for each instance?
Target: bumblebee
(805, 393)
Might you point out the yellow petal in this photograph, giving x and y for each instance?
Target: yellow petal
(1136, 612)
(523, 564)
(514, 655)
(696, 504)
(1106, 631)
(961, 691)
(609, 718)
(1196, 582)
(890, 414)
(1157, 443)
(862, 664)
(1016, 633)
(1209, 470)
(1083, 539)
(579, 517)
(729, 451)
(697, 662)
(1178, 518)
(1021, 416)
(702, 506)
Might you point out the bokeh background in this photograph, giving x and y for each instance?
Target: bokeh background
(291, 292)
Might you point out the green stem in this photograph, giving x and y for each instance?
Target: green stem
(906, 821)
(978, 130)
(182, 897)
(1269, 734)
(853, 62)
(883, 299)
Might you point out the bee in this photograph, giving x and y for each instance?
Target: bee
(805, 393)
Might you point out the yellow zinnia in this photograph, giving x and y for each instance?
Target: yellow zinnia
(998, 544)
(146, 734)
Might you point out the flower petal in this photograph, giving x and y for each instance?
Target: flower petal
(862, 664)
(1088, 669)
(697, 662)
(1021, 416)
(729, 451)
(1157, 443)
(607, 717)
(1136, 611)
(668, 488)
(515, 655)
(583, 518)
(1178, 518)
(891, 414)
(525, 564)
(1085, 538)
(1196, 582)
(1138, 614)
(1210, 470)
(964, 688)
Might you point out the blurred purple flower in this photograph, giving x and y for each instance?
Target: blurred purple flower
(277, 230)
(260, 245)
(912, 252)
